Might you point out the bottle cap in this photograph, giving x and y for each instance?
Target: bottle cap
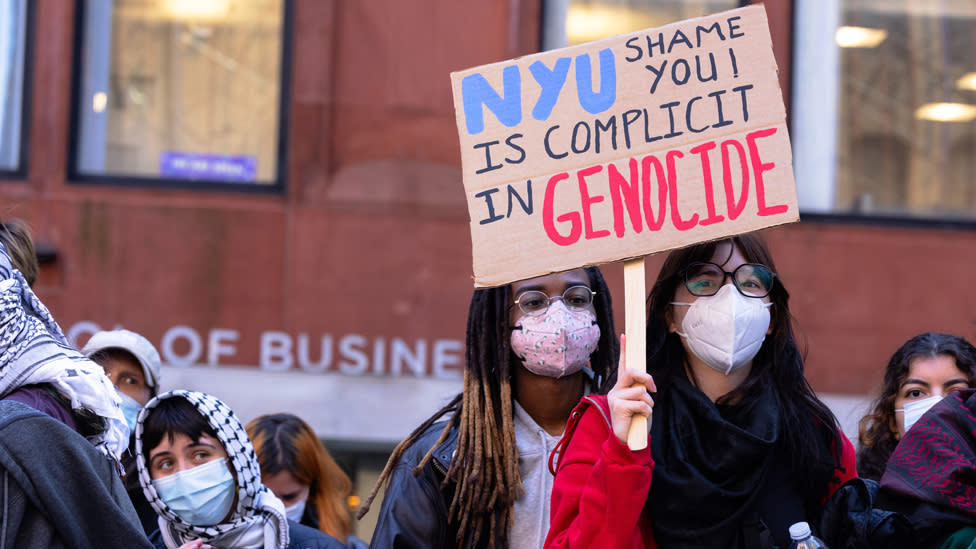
(799, 530)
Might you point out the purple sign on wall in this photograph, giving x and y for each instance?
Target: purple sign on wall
(216, 167)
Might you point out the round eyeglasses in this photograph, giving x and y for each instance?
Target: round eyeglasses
(751, 279)
(533, 302)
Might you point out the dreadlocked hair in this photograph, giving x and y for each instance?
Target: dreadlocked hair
(485, 464)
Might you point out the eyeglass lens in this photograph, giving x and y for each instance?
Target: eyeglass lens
(751, 279)
(575, 297)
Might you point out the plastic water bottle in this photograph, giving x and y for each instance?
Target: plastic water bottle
(803, 538)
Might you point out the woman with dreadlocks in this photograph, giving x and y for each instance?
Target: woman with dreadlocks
(480, 478)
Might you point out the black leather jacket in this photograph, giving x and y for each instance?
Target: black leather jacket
(414, 510)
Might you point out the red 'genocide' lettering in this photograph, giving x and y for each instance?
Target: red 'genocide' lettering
(547, 222)
(586, 201)
(627, 194)
(758, 168)
(735, 207)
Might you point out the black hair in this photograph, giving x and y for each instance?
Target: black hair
(88, 422)
(171, 416)
(485, 463)
(808, 426)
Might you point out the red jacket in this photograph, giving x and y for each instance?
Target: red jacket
(599, 493)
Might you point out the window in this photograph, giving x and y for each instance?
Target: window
(13, 43)
(884, 108)
(571, 22)
(180, 92)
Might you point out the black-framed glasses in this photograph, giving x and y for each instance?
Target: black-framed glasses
(533, 302)
(751, 279)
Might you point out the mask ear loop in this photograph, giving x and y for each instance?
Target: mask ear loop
(595, 381)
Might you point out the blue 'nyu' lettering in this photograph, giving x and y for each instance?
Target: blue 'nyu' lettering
(507, 107)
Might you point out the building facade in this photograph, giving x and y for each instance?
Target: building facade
(270, 190)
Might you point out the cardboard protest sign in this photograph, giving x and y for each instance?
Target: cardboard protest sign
(619, 148)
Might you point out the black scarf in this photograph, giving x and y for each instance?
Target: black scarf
(711, 465)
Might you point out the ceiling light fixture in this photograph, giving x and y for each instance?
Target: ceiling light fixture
(946, 112)
(196, 9)
(967, 82)
(589, 23)
(859, 37)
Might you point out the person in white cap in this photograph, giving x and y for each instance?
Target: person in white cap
(132, 364)
(62, 431)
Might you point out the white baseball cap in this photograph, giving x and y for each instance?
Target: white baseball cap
(140, 347)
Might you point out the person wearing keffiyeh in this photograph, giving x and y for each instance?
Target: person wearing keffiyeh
(35, 354)
(931, 476)
(57, 489)
(199, 471)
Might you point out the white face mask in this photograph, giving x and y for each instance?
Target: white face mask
(726, 330)
(295, 512)
(915, 410)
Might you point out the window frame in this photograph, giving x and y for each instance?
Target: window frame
(545, 6)
(20, 172)
(276, 186)
(834, 217)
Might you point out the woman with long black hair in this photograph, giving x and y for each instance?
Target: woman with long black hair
(740, 448)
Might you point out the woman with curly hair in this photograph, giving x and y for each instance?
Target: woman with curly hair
(920, 373)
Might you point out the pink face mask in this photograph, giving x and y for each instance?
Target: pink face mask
(556, 343)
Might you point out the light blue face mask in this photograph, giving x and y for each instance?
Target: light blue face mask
(295, 511)
(130, 409)
(201, 496)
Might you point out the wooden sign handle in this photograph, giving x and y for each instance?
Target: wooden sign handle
(636, 342)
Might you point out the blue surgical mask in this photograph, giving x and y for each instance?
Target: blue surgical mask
(130, 409)
(295, 512)
(201, 496)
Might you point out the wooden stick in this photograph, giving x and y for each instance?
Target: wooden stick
(636, 342)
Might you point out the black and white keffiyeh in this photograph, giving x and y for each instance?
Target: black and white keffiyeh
(33, 350)
(258, 518)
